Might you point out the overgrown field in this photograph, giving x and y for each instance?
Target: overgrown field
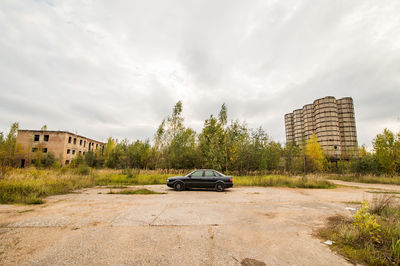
(371, 237)
(395, 180)
(282, 181)
(32, 185)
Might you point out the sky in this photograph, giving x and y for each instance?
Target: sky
(104, 68)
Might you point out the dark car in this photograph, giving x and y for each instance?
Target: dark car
(201, 179)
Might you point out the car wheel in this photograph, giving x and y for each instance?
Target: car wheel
(178, 186)
(219, 187)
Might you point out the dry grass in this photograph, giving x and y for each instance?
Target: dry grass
(358, 244)
(283, 181)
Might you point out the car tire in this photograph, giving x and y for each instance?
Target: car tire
(220, 187)
(179, 186)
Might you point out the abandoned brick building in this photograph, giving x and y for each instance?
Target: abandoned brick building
(331, 120)
(62, 144)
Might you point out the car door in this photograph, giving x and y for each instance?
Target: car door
(195, 179)
(208, 179)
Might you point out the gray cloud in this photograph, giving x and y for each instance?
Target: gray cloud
(116, 68)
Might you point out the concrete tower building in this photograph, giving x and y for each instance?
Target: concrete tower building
(331, 120)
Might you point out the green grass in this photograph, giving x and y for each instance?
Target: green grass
(353, 202)
(383, 192)
(394, 180)
(361, 246)
(28, 210)
(282, 181)
(144, 191)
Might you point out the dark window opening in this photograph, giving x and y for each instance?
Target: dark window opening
(84, 143)
(46, 137)
(335, 147)
(36, 138)
(66, 161)
(45, 150)
(73, 151)
(69, 140)
(97, 145)
(74, 140)
(80, 142)
(33, 161)
(68, 151)
(80, 152)
(34, 149)
(83, 153)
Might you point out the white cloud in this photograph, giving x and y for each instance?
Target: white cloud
(117, 67)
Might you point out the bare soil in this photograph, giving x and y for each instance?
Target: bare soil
(244, 225)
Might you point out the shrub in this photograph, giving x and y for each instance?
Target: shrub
(366, 223)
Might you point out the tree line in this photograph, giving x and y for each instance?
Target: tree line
(225, 146)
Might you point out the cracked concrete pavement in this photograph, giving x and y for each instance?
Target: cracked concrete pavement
(91, 227)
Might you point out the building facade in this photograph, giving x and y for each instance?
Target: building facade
(62, 144)
(331, 120)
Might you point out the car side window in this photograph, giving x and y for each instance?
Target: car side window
(197, 174)
(208, 173)
(216, 173)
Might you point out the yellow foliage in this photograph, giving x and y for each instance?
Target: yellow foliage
(366, 222)
(314, 153)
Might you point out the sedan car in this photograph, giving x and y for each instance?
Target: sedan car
(203, 178)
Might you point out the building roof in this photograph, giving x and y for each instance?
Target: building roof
(59, 131)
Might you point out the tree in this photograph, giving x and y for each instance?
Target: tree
(292, 155)
(8, 149)
(211, 142)
(387, 149)
(314, 154)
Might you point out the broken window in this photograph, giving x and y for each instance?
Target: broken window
(74, 140)
(45, 150)
(34, 149)
(73, 151)
(83, 153)
(66, 161)
(36, 138)
(80, 142)
(46, 137)
(80, 152)
(68, 151)
(69, 139)
(97, 145)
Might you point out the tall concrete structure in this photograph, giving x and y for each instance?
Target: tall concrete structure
(331, 120)
(62, 144)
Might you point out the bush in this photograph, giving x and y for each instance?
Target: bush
(83, 170)
(371, 237)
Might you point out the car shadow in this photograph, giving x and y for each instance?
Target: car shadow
(228, 190)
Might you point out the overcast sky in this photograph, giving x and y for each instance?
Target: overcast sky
(116, 68)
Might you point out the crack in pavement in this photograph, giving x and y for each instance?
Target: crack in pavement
(166, 207)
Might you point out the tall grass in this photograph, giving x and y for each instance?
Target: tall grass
(32, 185)
(394, 180)
(283, 181)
